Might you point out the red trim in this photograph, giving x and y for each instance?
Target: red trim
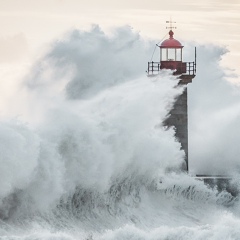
(171, 43)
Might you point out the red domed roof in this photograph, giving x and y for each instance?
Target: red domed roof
(171, 42)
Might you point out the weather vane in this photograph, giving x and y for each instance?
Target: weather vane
(171, 27)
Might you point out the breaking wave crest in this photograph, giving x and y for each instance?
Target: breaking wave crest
(93, 160)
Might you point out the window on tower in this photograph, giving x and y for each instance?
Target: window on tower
(171, 54)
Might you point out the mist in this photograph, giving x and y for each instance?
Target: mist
(89, 156)
(92, 118)
(214, 108)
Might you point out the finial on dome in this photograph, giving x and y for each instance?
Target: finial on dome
(171, 34)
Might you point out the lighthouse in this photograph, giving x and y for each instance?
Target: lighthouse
(171, 57)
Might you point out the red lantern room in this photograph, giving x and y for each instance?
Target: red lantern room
(171, 57)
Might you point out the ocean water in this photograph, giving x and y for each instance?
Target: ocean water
(90, 159)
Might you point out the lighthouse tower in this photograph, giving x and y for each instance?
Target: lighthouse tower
(171, 57)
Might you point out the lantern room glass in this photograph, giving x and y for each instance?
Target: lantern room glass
(171, 54)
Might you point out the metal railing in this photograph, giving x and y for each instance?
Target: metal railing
(153, 67)
(184, 68)
(191, 68)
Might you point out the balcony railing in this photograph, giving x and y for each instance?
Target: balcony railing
(181, 68)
